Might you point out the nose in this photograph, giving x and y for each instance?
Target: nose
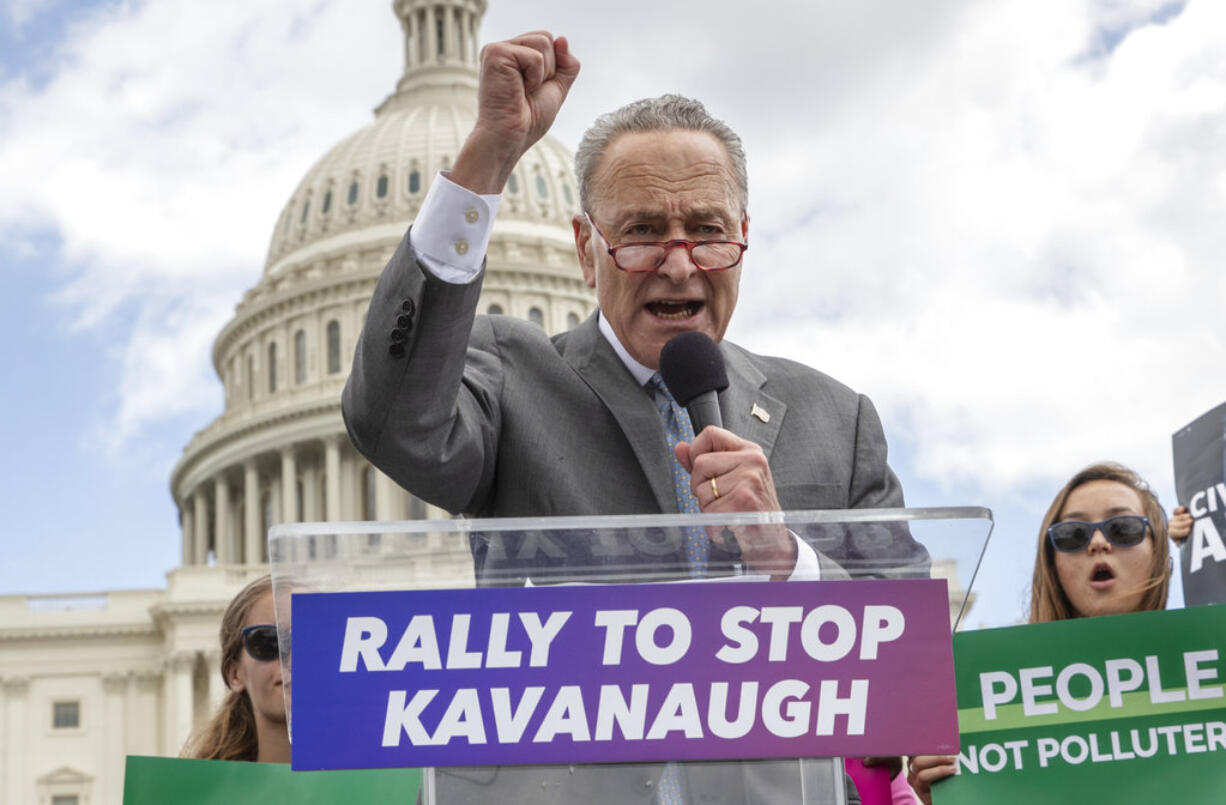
(678, 265)
(1099, 541)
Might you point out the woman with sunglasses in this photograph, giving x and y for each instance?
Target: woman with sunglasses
(1102, 551)
(250, 723)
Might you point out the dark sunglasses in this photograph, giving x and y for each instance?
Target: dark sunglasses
(261, 642)
(1124, 530)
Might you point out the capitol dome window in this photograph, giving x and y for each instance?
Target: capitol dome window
(494, 310)
(327, 205)
(306, 208)
(415, 181)
(542, 189)
(566, 194)
(250, 378)
(381, 187)
(513, 184)
(536, 316)
(353, 192)
(272, 367)
(300, 357)
(334, 347)
(572, 320)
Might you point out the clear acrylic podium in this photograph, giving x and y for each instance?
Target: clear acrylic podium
(861, 544)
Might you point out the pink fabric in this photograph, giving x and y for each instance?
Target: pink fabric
(876, 787)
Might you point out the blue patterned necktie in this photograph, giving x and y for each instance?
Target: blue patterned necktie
(678, 429)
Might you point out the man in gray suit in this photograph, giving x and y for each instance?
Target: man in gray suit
(523, 425)
(490, 417)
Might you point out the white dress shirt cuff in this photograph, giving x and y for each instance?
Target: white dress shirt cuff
(807, 567)
(452, 230)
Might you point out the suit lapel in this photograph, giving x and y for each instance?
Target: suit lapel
(590, 355)
(747, 411)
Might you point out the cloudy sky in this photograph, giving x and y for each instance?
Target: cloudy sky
(1002, 221)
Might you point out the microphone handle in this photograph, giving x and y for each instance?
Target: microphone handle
(704, 410)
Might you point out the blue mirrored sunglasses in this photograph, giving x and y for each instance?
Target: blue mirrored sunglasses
(260, 641)
(1124, 530)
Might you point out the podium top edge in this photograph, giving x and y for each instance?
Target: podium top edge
(463, 525)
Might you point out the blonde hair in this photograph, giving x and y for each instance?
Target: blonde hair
(230, 733)
(1048, 601)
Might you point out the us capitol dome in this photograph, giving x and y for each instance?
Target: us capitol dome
(279, 452)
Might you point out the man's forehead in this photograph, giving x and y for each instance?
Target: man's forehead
(675, 147)
(671, 173)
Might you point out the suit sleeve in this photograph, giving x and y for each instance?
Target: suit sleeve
(873, 484)
(421, 402)
(880, 550)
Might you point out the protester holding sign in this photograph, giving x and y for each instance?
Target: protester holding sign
(250, 724)
(1102, 551)
(1199, 452)
(1180, 526)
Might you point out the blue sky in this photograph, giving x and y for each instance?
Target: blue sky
(1001, 221)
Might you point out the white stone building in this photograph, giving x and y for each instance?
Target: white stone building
(87, 679)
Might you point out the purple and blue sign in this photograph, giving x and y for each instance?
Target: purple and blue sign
(600, 674)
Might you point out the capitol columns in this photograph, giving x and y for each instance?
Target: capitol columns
(410, 27)
(188, 522)
(387, 496)
(223, 528)
(201, 552)
(449, 34)
(17, 737)
(289, 486)
(252, 538)
(310, 492)
(115, 689)
(332, 478)
(216, 684)
(177, 701)
(431, 27)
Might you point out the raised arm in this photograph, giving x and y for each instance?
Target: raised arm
(522, 86)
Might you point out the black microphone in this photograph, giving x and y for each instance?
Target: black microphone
(693, 369)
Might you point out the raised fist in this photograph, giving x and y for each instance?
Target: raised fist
(522, 86)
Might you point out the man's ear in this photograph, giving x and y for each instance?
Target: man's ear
(583, 248)
(745, 228)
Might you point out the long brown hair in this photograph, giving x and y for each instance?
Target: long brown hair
(230, 733)
(1047, 599)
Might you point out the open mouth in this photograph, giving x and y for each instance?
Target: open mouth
(1102, 573)
(674, 309)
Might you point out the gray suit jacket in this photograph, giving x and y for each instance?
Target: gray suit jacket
(520, 424)
(488, 416)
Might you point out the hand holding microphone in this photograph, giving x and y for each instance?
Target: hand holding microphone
(727, 473)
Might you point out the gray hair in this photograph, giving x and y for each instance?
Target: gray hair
(668, 112)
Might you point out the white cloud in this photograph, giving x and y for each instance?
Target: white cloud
(1015, 249)
(160, 153)
(1002, 220)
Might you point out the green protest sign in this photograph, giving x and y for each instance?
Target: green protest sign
(1122, 709)
(160, 780)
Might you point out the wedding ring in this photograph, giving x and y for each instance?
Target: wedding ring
(714, 488)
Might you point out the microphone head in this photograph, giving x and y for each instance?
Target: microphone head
(691, 364)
